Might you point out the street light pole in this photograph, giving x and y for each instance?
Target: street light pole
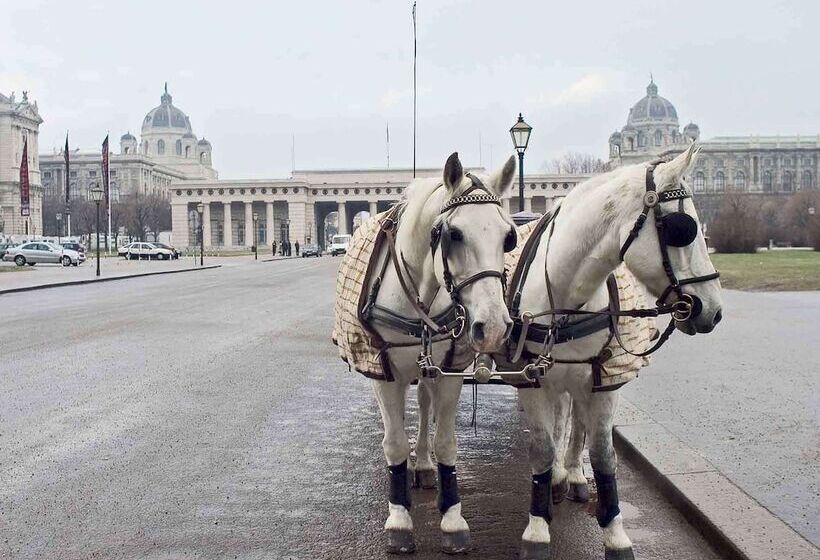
(520, 133)
(200, 210)
(256, 236)
(97, 195)
(521, 181)
(59, 226)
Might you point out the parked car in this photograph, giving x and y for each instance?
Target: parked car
(41, 252)
(75, 247)
(5, 247)
(338, 244)
(311, 250)
(142, 250)
(174, 252)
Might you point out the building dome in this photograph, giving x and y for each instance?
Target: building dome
(653, 108)
(203, 142)
(615, 138)
(691, 131)
(189, 135)
(166, 117)
(127, 136)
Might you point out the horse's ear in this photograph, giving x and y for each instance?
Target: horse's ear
(669, 174)
(453, 172)
(502, 180)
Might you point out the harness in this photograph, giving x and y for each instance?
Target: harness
(450, 323)
(677, 229)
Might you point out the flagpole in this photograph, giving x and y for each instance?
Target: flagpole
(388, 145)
(108, 198)
(67, 188)
(414, 89)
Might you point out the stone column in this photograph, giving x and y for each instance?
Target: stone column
(296, 216)
(248, 224)
(179, 225)
(310, 222)
(527, 204)
(342, 218)
(374, 208)
(206, 224)
(227, 226)
(270, 234)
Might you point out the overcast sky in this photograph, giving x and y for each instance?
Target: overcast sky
(334, 74)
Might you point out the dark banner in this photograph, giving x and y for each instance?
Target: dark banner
(25, 192)
(105, 168)
(67, 174)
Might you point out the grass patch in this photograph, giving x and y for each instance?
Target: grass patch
(770, 270)
(14, 268)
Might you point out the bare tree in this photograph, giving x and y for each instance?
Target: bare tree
(575, 163)
(159, 215)
(798, 217)
(51, 206)
(738, 226)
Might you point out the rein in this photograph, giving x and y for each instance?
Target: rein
(561, 330)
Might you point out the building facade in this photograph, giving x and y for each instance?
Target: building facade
(19, 120)
(168, 151)
(236, 214)
(767, 167)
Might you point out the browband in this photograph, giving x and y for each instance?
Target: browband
(486, 197)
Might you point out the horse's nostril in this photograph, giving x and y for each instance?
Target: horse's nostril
(478, 331)
(718, 317)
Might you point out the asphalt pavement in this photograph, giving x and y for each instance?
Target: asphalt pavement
(747, 398)
(207, 415)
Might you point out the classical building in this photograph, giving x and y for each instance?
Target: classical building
(297, 208)
(772, 167)
(168, 151)
(19, 119)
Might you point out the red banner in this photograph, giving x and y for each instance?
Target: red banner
(105, 168)
(25, 192)
(67, 174)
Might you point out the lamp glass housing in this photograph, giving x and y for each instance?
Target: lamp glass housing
(96, 194)
(520, 133)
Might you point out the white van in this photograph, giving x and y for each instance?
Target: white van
(339, 244)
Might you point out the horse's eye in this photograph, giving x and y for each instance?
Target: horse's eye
(456, 235)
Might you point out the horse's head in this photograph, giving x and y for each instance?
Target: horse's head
(469, 240)
(672, 227)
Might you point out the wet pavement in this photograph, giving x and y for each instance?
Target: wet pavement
(206, 415)
(747, 398)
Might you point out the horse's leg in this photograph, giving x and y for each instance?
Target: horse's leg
(562, 404)
(455, 533)
(578, 488)
(537, 404)
(399, 526)
(599, 412)
(425, 471)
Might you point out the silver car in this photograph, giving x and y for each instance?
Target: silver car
(37, 252)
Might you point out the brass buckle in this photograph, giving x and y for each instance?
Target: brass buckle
(461, 320)
(682, 309)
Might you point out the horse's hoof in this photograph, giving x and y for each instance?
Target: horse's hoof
(578, 493)
(619, 554)
(534, 550)
(455, 543)
(424, 479)
(559, 491)
(400, 542)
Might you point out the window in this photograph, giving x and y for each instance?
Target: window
(127, 150)
(718, 163)
(203, 157)
(767, 181)
(787, 181)
(187, 151)
(805, 182)
(113, 172)
(630, 142)
(641, 140)
(46, 174)
(179, 147)
(700, 181)
(788, 161)
(740, 180)
(720, 181)
(161, 147)
(92, 173)
(658, 137)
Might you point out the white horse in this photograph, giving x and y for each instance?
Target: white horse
(592, 234)
(468, 260)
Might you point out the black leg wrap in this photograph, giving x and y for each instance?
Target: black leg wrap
(399, 485)
(607, 498)
(541, 505)
(448, 487)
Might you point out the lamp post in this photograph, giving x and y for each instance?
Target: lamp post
(97, 196)
(59, 226)
(200, 210)
(520, 133)
(256, 236)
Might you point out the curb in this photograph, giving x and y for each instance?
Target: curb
(734, 523)
(103, 279)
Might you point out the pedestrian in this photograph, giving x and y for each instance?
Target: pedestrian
(290, 248)
(296, 246)
(273, 248)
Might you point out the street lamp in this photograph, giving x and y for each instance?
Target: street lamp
(256, 236)
(520, 133)
(59, 226)
(200, 210)
(97, 196)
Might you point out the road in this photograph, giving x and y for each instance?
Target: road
(747, 397)
(206, 415)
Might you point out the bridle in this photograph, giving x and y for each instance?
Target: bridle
(677, 229)
(451, 322)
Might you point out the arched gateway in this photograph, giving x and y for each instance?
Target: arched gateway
(297, 208)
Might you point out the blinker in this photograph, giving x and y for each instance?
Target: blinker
(679, 229)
